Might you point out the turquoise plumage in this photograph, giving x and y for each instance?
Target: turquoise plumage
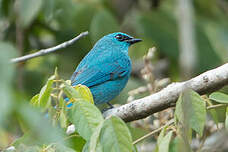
(106, 68)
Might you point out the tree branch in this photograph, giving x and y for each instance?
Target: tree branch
(205, 83)
(49, 50)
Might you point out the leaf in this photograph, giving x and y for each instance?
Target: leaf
(155, 26)
(84, 92)
(25, 148)
(86, 117)
(56, 74)
(57, 148)
(135, 148)
(40, 128)
(48, 9)
(83, 23)
(115, 136)
(213, 113)
(76, 93)
(226, 121)
(7, 51)
(35, 100)
(63, 119)
(164, 143)
(217, 35)
(219, 97)
(5, 8)
(178, 144)
(45, 94)
(86, 147)
(76, 142)
(160, 138)
(94, 144)
(25, 138)
(70, 91)
(102, 23)
(28, 10)
(137, 132)
(161, 135)
(221, 113)
(191, 111)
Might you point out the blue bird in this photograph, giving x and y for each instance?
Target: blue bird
(106, 68)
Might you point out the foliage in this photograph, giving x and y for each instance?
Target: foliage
(92, 130)
(29, 25)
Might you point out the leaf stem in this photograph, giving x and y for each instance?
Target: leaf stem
(153, 132)
(71, 137)
(216, 106)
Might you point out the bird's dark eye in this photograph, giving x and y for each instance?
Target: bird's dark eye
(119, 37)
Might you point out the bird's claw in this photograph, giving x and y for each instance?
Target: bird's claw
(110, 107)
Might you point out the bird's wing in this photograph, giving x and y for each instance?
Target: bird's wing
(97, 74)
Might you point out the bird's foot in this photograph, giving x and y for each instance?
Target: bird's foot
(110, 107)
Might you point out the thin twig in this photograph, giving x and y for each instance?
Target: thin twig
(153, 132)
(49, 50)
(211, 106)
(216, 106)
(71, 137)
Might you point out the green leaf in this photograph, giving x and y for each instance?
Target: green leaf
(102, 23)
(57, 148)
(77, 93)
(86, 117)
(164, 143)
(221, 113)
(135, 148)
(63, 119)
(76, 142)
(161, 135)
(86, 147)
(219, 97)
(40, 128)
(115, 136)
(213, 113)
(48, 9)
(93, 143)
(160, 138)
(70, 91)
(155, 26)
(83, 23)
(7, 51)
(179, 145)
(6, 7)
(25, 138)
(217, 35)
(226, 121)
(28, 10)
(62, 103)
(26, 148)
(85, 93)
(45, 94)
(56, 74)
(35, 100)
(191, 111)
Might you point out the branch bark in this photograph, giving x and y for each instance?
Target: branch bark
(205, 83)
(49, 50)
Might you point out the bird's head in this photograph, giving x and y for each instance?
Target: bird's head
(118, 39)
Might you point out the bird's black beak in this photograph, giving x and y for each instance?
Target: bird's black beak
(133, 40)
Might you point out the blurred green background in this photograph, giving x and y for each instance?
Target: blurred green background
(30, 25)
